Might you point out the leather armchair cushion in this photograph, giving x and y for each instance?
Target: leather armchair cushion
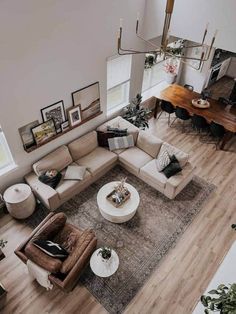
(40, 258)
(81, 245)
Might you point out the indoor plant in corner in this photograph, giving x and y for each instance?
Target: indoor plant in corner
(105, 253)
(135, 114)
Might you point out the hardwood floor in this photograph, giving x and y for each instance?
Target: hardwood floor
(175, 287)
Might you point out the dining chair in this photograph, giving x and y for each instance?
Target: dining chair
(183, 115)
(189, 87)
(199, 123)
(167, 107)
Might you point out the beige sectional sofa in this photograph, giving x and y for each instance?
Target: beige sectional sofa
(85, 151)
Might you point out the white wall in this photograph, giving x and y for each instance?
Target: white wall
(190, 17)
(50, 49)
(192, 77)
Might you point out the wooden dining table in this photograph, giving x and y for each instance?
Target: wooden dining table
(217, 112)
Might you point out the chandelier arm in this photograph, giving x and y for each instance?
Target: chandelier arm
(130, 51)
(145, 40)
(187, 63)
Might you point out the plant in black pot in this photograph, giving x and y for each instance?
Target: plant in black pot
(136, 114)
(105, 253)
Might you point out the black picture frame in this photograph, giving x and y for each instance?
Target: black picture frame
(57, 120)
(41, 141)
(91, 109)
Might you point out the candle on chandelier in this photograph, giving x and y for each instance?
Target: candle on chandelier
(138, 16)
(121, 23)
(216, 32)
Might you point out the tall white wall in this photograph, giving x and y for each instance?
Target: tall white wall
(50, 49)
(190, 17)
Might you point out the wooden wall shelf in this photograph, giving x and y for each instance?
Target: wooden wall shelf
(32, 148)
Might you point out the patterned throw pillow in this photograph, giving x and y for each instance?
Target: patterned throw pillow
(51, 248)
(162, 160)
(121, 142)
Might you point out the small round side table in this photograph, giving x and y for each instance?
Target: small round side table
(104, 268)
(20, 200)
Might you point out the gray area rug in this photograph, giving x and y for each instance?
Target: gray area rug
(141, 243)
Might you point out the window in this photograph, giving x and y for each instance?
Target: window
(153, 74)
(6, 159)
(118, 81)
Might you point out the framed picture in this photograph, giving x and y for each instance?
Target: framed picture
(88, 98)
(26, 134)
(44, 131)
(56, 112)
(74, 115)
(65, 126)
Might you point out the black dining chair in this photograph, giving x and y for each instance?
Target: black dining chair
(199, 123)
(189, 87)
(182, 114)
(167, 107)
(217, 132)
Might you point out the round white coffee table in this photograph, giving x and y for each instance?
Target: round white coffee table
(120, 214)
(103, 268)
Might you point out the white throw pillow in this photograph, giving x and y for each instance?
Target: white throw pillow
(75, 173)
(162, 160)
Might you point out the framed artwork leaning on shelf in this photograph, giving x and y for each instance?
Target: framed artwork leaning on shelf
(56, 112)
(74, 115)
(44, 131)
(88, 98)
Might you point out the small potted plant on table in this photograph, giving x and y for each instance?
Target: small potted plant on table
(105, 253)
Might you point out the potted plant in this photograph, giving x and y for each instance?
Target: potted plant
(222, 301)
(105, 253)
(135, 114)
(171, 66)
(2, 245)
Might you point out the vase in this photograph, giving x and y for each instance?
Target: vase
(170, 78)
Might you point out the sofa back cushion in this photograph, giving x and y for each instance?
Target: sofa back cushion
(58, 159)
(83, 145)
(149, 143)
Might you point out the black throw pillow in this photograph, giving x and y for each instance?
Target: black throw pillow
(118, 132)
(51, 178)
(172, 168)
(51, 248)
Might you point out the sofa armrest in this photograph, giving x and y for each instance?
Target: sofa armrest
(46, 194)
(176, 183)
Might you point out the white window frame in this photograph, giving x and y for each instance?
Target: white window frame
(10, 162)
(126, 90)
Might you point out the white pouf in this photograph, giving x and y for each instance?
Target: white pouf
(20, 200)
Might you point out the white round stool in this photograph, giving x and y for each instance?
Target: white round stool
(20, 200)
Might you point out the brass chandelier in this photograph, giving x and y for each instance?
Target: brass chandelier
(164, 49)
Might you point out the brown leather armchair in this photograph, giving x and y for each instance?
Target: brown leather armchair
(79, 244)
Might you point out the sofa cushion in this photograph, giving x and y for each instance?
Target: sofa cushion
(149, 143)
(81, 245)
(67, 188)
(153, 177)
(98, 160)
(83, 145)
(134, 158)
(58, 159)
(121, 142)
(119, 122)
(181, 156)
(40, 258)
